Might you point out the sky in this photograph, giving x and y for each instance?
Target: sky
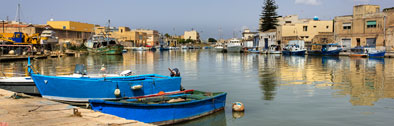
(211, 18)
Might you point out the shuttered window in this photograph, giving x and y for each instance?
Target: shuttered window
(371, 24)
(347, 25)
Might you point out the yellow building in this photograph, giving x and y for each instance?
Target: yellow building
(71, 25)
(72, 32)
(302, 29)
(366, 27)
(127, 37)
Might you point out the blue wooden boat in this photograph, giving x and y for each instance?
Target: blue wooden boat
(314, 52)
(331, 49)
(294, 47)
(293, 52)
(376, 53)
(81, 89)
(160, 110)
(367, 51)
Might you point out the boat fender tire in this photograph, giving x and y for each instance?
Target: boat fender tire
(117, 92)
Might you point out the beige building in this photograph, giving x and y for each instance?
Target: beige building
(302, 29)
(322, 38)
(368, 26)
(129, 38)
(193, 35)
(248, 35)
(153, 36)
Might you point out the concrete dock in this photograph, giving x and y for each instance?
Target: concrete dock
(31, 111)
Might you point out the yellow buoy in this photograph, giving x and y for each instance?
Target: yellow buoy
(238, 107)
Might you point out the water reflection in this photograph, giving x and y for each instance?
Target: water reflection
(256, 80)
(268, 75)
(216, 119)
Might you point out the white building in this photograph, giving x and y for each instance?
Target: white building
(267, 39)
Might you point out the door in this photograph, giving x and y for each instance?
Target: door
(358, 42)
(371, 42)
(346, 43)
(265, 43)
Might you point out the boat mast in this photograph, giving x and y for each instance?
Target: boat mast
(18, 16)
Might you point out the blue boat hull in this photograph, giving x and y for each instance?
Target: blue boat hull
(161, 114)
(82, 89)
(332, 52)
(293, 52)
(379, 54)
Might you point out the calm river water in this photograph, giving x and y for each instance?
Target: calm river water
(276, 90)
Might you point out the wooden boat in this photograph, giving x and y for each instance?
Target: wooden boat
(81, 89)
(367, 51)
(294, 47)
(100, 44)
(274, 49)
(164, 110)
(26, 84)
(331, 49)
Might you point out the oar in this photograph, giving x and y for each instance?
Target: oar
(154, 95)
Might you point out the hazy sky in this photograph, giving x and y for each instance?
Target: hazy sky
(176, 16)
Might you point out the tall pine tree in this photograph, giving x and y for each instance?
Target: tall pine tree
(268, 17)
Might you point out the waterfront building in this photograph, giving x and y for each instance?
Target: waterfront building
(11, 27)
(322, 38)
(152, 36)
(193, 35)
(368, 26)
(247, 34)
(267, 39)
(130, 38)
(71, 31)
(292, 28)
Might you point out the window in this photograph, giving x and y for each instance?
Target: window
(327, 27)
(305, 28)
(314, 26)
(324, 40)
(371, 24)
(347, 25)
(288, 22)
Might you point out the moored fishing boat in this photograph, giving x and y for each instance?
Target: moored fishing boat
(234, 45)
(19, 84)
(80, 89)
(373, 52)
(165, 109)
(274, 49)
(99, 44)
(366, 52)
(294, 47)
(331, 49)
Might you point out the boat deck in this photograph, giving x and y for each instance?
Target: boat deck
(38, 111)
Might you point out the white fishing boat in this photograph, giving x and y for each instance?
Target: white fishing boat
(219, 47)
(48, 37)
(234, 45)
(274, 49)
